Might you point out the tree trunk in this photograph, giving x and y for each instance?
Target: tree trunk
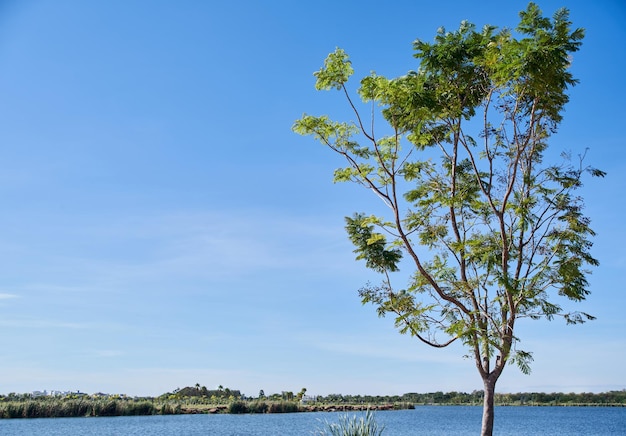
(488, 412)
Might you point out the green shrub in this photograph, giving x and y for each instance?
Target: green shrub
(283, 407)
(258, 407)
(140, 408)
(169, 409)
(403, 406)
(12, 410)
(237, 407)
(351, 426)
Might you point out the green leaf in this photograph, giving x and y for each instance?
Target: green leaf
(336, 71)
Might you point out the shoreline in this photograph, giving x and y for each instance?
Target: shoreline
(86, 407)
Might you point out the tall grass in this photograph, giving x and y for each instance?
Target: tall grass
(283, 407)
(352, 426)
(258, 407)
(238, 407)
(65, 408)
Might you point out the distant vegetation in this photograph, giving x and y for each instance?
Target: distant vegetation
(611, 398)
(65, 407)
(198, 400)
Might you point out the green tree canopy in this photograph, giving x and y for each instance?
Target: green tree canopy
(466, 172)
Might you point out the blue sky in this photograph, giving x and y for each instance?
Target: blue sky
(162, 226)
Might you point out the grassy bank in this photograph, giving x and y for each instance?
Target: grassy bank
(68, 407)
(87, 407)
(81, 405)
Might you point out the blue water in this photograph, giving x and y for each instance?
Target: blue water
(424, 420)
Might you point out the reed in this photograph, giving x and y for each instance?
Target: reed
(258, 407)
(283, 407)
(238, 407)
(352, 426)
(66, 408)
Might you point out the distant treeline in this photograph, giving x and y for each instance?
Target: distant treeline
(82, 405)
(476, 397)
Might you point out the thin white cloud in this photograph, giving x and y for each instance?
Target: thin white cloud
(193, 245)
(5, 296)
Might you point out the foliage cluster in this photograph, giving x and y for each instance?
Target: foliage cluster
(495, 231)
(207, 393)
(197, 394)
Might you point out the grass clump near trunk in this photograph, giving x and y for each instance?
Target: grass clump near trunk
(353, 426)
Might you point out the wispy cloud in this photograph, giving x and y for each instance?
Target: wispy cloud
(5, 296)
(192, 245)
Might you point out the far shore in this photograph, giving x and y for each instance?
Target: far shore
(233, 402)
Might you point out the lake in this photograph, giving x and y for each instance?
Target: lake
(423, 420)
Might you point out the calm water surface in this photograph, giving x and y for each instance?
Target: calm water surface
(424, 420)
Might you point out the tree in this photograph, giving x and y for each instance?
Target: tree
(300, 395)
(484, 212)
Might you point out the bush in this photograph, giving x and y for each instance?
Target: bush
(108, 408)
(140, 408)
(283, 407)
(351, 426)
(237, 407)
(258, 407)
(169, 409)
(12, 410)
